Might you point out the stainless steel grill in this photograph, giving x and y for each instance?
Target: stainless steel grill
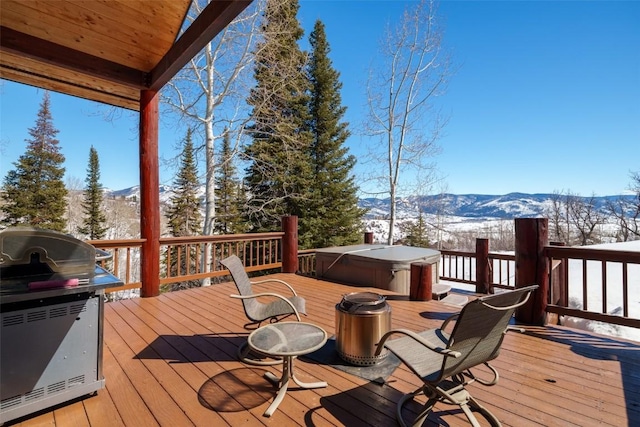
(51, 320)
(362, 318)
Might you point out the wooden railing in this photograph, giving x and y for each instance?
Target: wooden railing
(182, 257)
(307, 262)
(604, 275)
(460, 266)
(602, 278)
(124, 261)
(600, 275)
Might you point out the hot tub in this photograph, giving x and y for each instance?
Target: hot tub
(379, 266)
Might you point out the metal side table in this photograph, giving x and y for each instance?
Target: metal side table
(287, 340)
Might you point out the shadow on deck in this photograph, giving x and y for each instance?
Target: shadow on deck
(171, 360)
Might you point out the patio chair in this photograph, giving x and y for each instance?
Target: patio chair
(276, 308)
(443, 360)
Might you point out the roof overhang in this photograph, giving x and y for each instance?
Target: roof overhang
(104, 51)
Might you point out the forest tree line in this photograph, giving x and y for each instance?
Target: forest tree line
(272, 125)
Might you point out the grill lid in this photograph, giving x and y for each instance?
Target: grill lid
(31, 252)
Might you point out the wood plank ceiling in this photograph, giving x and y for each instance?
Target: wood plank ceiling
(107, 50)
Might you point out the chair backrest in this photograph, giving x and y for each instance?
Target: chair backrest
(241, 279)
(480, 329)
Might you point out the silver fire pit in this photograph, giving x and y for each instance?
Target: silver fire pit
(362, 318)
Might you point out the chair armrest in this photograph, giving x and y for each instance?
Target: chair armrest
(270, 294)
(260, 282)
(482, 381)
(419, 339)
(449, 319)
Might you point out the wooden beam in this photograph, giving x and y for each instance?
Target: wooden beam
(290, 244)
(93, 92)
(149, 194)
(531, 237)
(50, 53)
(483, 279)
(213, 19)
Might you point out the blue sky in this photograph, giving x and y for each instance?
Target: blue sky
(546, 97)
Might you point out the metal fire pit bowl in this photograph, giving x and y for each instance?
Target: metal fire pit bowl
(362, 318)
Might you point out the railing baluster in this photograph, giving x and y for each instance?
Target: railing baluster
(604, 286)
(625, 289)
(585, 294)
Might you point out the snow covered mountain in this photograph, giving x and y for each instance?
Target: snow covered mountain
(472, 206)
(506, 206)
(134, 193)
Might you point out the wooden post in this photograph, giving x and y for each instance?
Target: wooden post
(483, 283)
(290, 244)
(558, 285)
(149, 194)
(368, 237)
(532, 267)
(421, 284)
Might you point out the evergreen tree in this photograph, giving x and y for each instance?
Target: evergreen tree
(416, 232)
(184, 216)
(230, 197)
(94, 222)
(34, 191)
(279, 172)
(333, 205)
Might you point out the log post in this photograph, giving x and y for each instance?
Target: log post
(483, 283)
(149, 194)
(421, 282)
(290, 244)
(368, 237)
(532, 267)
(559, 287)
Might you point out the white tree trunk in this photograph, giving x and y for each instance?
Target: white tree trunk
(413, 71)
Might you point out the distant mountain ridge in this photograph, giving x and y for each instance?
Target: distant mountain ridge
(505, 206)
(475, 206)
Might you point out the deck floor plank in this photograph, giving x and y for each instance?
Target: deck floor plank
(228, 352)
(216, 326)
(171, 361)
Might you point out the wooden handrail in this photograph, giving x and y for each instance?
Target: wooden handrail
(456, 266)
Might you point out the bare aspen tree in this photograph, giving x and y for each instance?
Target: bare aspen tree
(558, 217)
(627, 213)
(585, 218)
(209, 93)
(403, 123)
(74, 204)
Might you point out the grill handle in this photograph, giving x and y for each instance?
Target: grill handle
(353, 302)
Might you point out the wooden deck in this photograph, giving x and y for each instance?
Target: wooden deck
(170, 361)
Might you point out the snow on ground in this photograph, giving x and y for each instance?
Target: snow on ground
(614, 295)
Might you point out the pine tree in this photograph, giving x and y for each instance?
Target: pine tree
(184, 216)
(416, 232)
(94, 222)
(279, 172)
(34, 191)
(337, 220)
(230, 197)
